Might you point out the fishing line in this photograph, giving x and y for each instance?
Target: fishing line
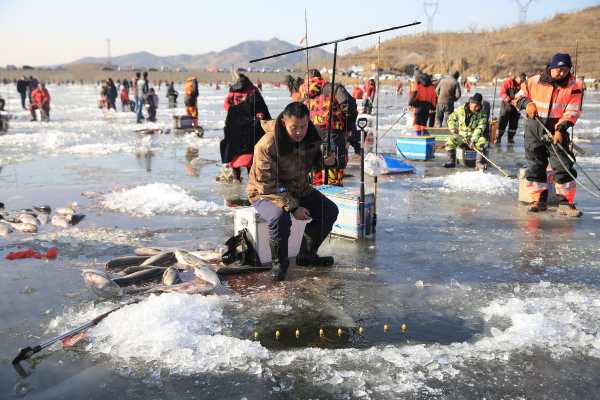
(553, 147)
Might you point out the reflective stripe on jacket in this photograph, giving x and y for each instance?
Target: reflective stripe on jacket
(555, 103)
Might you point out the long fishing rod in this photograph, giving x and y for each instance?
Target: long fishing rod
(27, 352)
(335, 43)
(582, 91)
(494, 105)
(306, 43)
(375, 179)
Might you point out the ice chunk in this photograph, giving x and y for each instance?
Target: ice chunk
(474, 181)
(157, 198)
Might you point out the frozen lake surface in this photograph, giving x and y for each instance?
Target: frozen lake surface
(496, 303)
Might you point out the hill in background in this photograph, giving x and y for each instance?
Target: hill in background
(237, 56)
(525, 48)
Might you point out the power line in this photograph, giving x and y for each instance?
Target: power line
(108, 59)
(523, 6)
(431, 9)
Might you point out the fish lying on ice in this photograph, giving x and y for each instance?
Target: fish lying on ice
(188, 259)
(5, 229)
(170, 277)
(207, 275)
(164, 259)
(43, 218)
(60, 221)
(25, 228)
(120, 263)
(28, 219)
(45, 209)
(147, 251)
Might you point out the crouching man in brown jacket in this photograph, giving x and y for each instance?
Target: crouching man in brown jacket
(278, 185)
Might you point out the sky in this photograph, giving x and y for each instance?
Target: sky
(52, 32)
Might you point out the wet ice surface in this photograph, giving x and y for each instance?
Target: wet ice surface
(508, 307)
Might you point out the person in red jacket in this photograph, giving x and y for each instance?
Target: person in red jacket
(239, 92)
(422, 100)
(40, 100)
(552, 98)
(370, 90)
(357, 93)
(509, 115)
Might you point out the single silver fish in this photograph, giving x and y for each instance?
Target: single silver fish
(208, 256)
(147, 251)
(188, 259)
(43, 218)
(164, 259)
(101, 284)
(26, 228)
(208, 275)
(124, 262)
(60, 221)
(170, 277)
(65, 211)
(5, 229)
(43, 209)
(28, 219)
(136, 268)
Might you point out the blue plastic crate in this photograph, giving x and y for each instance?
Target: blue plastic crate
(416, 147)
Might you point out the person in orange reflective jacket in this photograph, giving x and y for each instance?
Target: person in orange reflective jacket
(554, 98)
(344, 115)
(422, 100)
(40, 100)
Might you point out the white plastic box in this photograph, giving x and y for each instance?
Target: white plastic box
(247, 217)
(348, 222)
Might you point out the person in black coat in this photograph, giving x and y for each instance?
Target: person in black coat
(22, 86)
(111, 95)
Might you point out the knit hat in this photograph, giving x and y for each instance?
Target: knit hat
(477, 98)
(560, 60)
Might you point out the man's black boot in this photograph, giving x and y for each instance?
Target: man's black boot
(307, 256)
(279, 261)
(451, 159)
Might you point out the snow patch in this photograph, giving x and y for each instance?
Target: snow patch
(157, 198)
(182, 332)
(474, 181)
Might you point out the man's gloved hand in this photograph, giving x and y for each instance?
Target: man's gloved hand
(558, 137)
(561, 132)
(531, 110)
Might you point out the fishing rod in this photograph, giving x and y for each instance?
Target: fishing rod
(494, 105)
(27, 352)
(375, 179)
(472, 146)
(335, 43)
(306, 43)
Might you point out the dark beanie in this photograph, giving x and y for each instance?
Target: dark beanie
(560, 60)
(476, 98)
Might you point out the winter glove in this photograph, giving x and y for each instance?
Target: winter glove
(531, 110)
(558, 137)
(561, 131)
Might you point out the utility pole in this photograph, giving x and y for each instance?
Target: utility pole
(523, 6)
(431, 9)
(108, 59)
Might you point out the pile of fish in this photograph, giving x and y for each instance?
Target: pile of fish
(153, 270)
(30, 219)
